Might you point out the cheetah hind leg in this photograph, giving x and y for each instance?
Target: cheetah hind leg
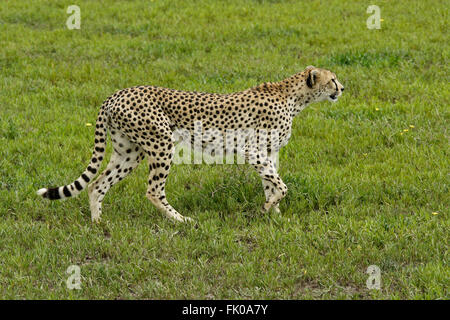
(159, 166)
(124, 159)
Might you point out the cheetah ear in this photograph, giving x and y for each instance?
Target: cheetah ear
(313, 75)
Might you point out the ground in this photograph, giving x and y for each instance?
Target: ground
(368, 177)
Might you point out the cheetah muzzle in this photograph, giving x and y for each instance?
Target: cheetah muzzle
(142, 122)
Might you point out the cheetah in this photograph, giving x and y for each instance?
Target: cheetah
(142, 121)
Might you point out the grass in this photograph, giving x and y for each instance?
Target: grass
(362, 190)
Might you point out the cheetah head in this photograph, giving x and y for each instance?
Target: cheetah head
(323, 84)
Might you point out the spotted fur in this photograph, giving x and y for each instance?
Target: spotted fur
(141, 121)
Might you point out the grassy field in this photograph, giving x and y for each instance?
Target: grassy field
(368, 177)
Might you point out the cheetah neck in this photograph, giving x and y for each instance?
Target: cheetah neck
(297, 93)
(296, 106)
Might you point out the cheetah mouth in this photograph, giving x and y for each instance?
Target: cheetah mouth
(333, 97)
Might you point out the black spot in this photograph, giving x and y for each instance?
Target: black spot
(85, 177)
(66, 191)
(93, 170)
(53, 194)
(78, 185)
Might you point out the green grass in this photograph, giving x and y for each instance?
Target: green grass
(360, 192)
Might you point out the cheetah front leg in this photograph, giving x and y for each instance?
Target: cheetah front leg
(274, 187)
(269, 191)
(269, 187)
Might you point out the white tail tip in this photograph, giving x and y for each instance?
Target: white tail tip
(41, 192)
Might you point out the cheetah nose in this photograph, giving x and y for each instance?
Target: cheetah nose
(342, 89)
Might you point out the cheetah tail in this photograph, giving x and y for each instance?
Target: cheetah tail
(81, 183)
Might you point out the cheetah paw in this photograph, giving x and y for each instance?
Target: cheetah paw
(266, 208)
